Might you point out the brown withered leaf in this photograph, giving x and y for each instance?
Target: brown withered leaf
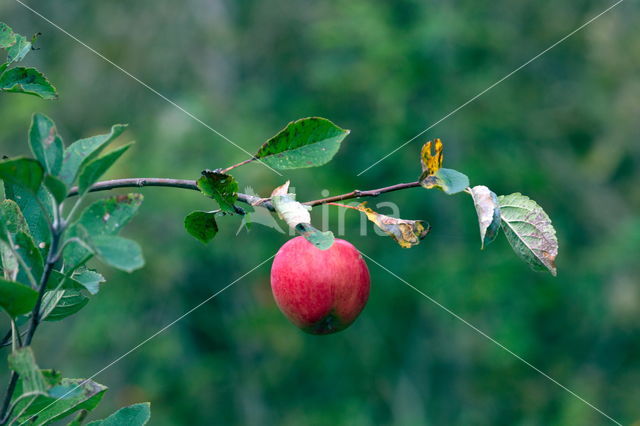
(431, 161)
(407, 233)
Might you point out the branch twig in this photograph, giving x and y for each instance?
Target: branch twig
(244, 198)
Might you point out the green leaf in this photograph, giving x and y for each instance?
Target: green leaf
(133, 415)
(63, 398)
(322, 240)
(448, 180)
(103, 217)
(12, 218)
(201, 225)
(19, 50)
(32, 207)
(29, 81)
(488, 210)
(56, 187)
(529, 231)
(83, 151)
(23, 362)
(59, 304)
(407, 233)
(221, 187)
(7, 36)
(25, 172)
(91, 172)
(46, 144)
(15, 298)
(308, 142)
(89, 279)
(119, 252)
(30, 254)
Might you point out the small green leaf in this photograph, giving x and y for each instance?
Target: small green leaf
(46, 144)
(133, 415)
(407, 233)
(121, 253)
(448, 180)
(488, 210)
(25, 172)
(201, 225)
(19, 50)
(322, 240)
(529, 231)
(29, 81)
(103, 217)
(83, 151)
(221, 187)
(7, 36)
(90, 173)
(89, 279)
(56, 187)
(59, 304)
(15, 298)
(308, 142)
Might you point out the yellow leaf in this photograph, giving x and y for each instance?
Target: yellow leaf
(407, 233)
(431, 161)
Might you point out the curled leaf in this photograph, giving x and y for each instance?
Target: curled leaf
(407, 233)
(488, 211)
(298, 218)
(529, 231)
(431, 161)
(221, 187)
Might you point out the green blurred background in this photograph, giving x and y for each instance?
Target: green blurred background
(564, 131)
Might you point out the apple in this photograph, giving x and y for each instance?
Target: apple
(320, 291)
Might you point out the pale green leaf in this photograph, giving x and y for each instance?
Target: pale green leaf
(19, 49)
(7, 36)
(488, 210)
(529, 231)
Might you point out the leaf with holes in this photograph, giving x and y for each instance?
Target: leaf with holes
(308, 142)
(431, 157)
(488, 210)
(529, 231)
(221, 187)
(19, 49)
(29, 81)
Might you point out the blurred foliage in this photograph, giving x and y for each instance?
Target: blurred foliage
(562, 131)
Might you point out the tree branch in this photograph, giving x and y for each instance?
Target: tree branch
(244, 198)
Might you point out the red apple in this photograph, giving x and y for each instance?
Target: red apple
(320, 291)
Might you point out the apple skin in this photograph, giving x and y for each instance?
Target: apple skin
(320, 291)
